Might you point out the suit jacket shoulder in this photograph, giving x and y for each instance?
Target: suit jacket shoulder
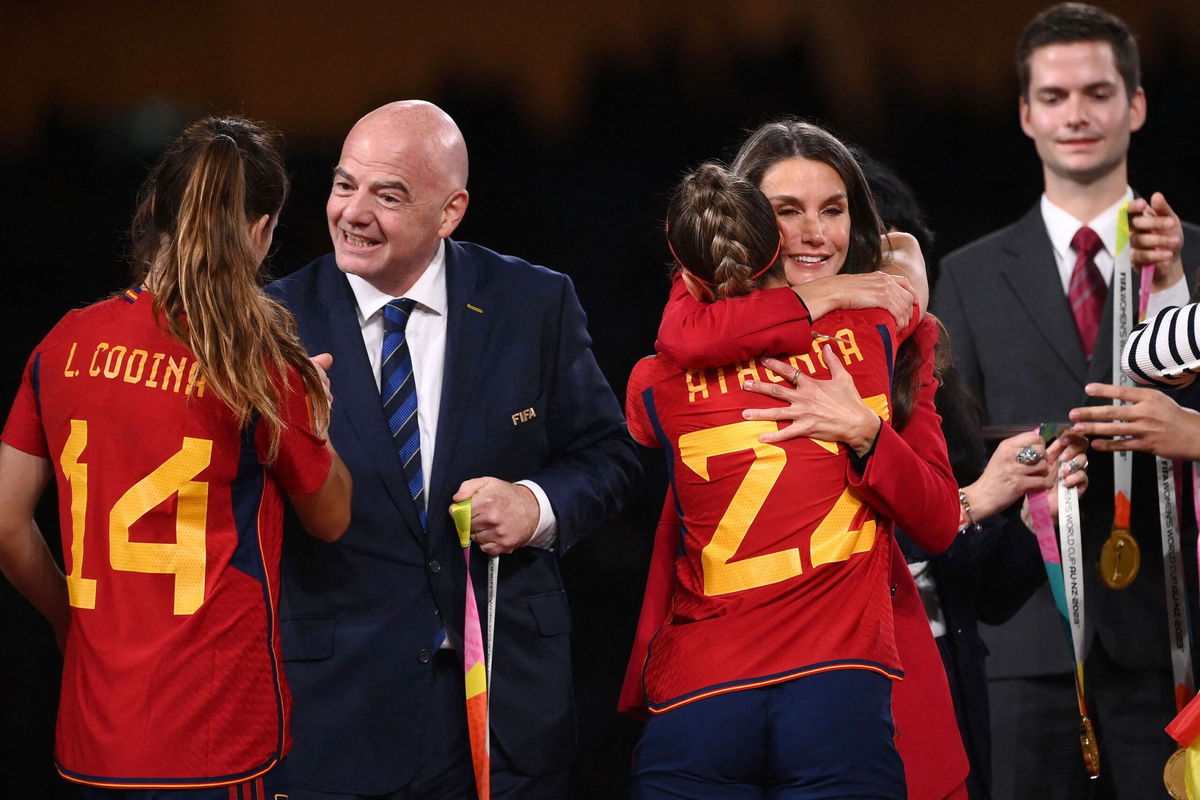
(984, 252)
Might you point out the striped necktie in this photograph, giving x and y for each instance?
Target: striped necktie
(398, 390)
(1086, 291)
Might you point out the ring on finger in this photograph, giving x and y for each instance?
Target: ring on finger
(796, 377)
(1074, 465)
(1029, 455)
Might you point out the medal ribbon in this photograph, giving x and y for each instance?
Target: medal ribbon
(476, 675)
(1122, 288)
(1185, 728)
(1063, 559)
(1168, 509)
(1177, 612)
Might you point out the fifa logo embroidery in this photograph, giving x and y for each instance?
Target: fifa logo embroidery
(523, 416)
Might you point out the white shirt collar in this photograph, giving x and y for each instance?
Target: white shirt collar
(429, 291)
(1062, 226)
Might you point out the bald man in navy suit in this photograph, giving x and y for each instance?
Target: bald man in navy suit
(513, 413)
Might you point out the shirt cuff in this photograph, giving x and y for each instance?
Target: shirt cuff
(1175, 295)
(545, 535)
(859, 463)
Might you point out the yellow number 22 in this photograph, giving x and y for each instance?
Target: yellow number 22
(831, 541)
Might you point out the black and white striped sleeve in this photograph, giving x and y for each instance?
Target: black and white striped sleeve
(1165, 349)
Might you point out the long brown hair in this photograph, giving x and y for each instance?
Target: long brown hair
(722, 230)
(191, 240)
(789, 138)
(778, 141)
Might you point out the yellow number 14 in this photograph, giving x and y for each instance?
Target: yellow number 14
(185, 558)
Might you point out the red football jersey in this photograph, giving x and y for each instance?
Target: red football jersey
(782, 569)
(171, 529)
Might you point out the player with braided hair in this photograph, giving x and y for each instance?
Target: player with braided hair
(772, 666)
(724, 230)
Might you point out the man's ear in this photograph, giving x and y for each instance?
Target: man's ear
(453, 211)
(1137, 110)
(1023, 113)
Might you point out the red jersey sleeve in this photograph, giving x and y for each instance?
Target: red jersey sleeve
(635, 405)
(656, 608)
(908, 478)
(23, 430)
(303, 461)
(694, 334)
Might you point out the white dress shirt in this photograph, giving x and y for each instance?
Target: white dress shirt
(426, 337)
(1062, 226)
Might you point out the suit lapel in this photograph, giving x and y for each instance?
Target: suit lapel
(356, 397)
(469, 320)
(1032, 274)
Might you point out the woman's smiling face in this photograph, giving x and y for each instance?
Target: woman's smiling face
(813, 213)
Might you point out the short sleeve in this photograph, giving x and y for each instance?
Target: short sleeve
(24, 430)
(635, 405)
(1165, 349)
(303, 460)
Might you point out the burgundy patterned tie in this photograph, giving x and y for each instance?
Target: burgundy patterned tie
(1086, 291)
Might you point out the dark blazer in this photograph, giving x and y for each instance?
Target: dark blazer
(359, 617)
(1015, 343)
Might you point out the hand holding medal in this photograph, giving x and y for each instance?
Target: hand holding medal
(1063, 558)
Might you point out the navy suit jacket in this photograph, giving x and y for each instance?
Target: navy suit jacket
(1015, 343)
(359, 617)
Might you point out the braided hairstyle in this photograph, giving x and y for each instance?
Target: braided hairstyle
(722, 230)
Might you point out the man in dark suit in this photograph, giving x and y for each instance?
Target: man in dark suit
(1004, 299)
(506, 390)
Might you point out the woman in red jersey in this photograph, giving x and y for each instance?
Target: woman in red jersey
(174, 417)
(771, 670)
(826, 195)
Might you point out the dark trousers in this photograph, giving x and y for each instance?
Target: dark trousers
(1035, 733)
(818, 737)
(446, 772)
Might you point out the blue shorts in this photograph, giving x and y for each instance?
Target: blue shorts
(271, 786)
(823, 736)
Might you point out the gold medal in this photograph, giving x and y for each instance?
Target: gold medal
(1090, 747)
(1174, 775)
(1120, 559)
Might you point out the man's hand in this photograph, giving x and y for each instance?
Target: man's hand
(323, 361)
(1156, 237)
(1154, 423)
(893, 293)
(504, 515)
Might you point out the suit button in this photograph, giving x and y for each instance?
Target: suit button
(424, 656)
(435, 567)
